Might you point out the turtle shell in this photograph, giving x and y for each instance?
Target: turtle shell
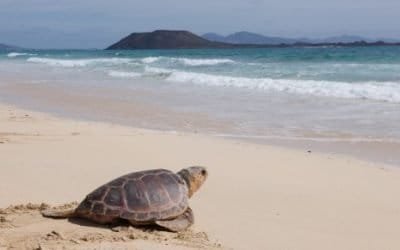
(140, 197)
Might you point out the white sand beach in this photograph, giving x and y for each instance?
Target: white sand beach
(256, 197)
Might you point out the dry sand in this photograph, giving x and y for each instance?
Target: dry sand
(257, 196)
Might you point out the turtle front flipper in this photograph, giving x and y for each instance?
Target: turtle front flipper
(59, 213)
(180, 223)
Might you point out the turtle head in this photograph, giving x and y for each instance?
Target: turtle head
(194, 177)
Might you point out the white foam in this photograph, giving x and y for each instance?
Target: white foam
(16, 54)
(78, 62)
(122, 74)
(149, 60)
(186, 61)
(201, 62)
(380, 91)
(315, 138)
(116, 61)
(150, 72)
(156, 72)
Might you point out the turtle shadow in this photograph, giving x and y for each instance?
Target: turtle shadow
(86, 223)
(119, 223)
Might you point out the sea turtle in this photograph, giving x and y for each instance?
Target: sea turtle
(149, 197)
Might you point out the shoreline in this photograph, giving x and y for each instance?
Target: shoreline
(375, 150)
(366, 129)
(272, 197)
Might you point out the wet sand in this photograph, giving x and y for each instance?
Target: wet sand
(257, 196)
(141, 108)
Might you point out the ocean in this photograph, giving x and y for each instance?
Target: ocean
(311, 94)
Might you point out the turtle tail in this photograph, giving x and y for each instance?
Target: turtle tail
(59, 213)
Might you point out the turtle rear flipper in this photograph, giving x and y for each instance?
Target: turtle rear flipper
(180, 223)
(58, 213)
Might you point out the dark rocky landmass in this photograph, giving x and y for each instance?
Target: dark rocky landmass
(166, 39)
(169, 39)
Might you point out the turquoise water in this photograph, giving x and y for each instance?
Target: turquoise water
(359, 72)
(329, 92)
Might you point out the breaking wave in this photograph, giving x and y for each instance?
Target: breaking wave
(187, 61)
(161, 67)
(116, 61)
(16, 54)
(379, 91)
(121, 74)
(78, 62)
(200, 62)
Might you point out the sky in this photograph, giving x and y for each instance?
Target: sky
(99, 23)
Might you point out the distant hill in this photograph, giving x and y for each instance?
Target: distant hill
(245, 37)
(214, 37)
(166, 39)
(8, 47)
(172, 39)
(346, 39)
